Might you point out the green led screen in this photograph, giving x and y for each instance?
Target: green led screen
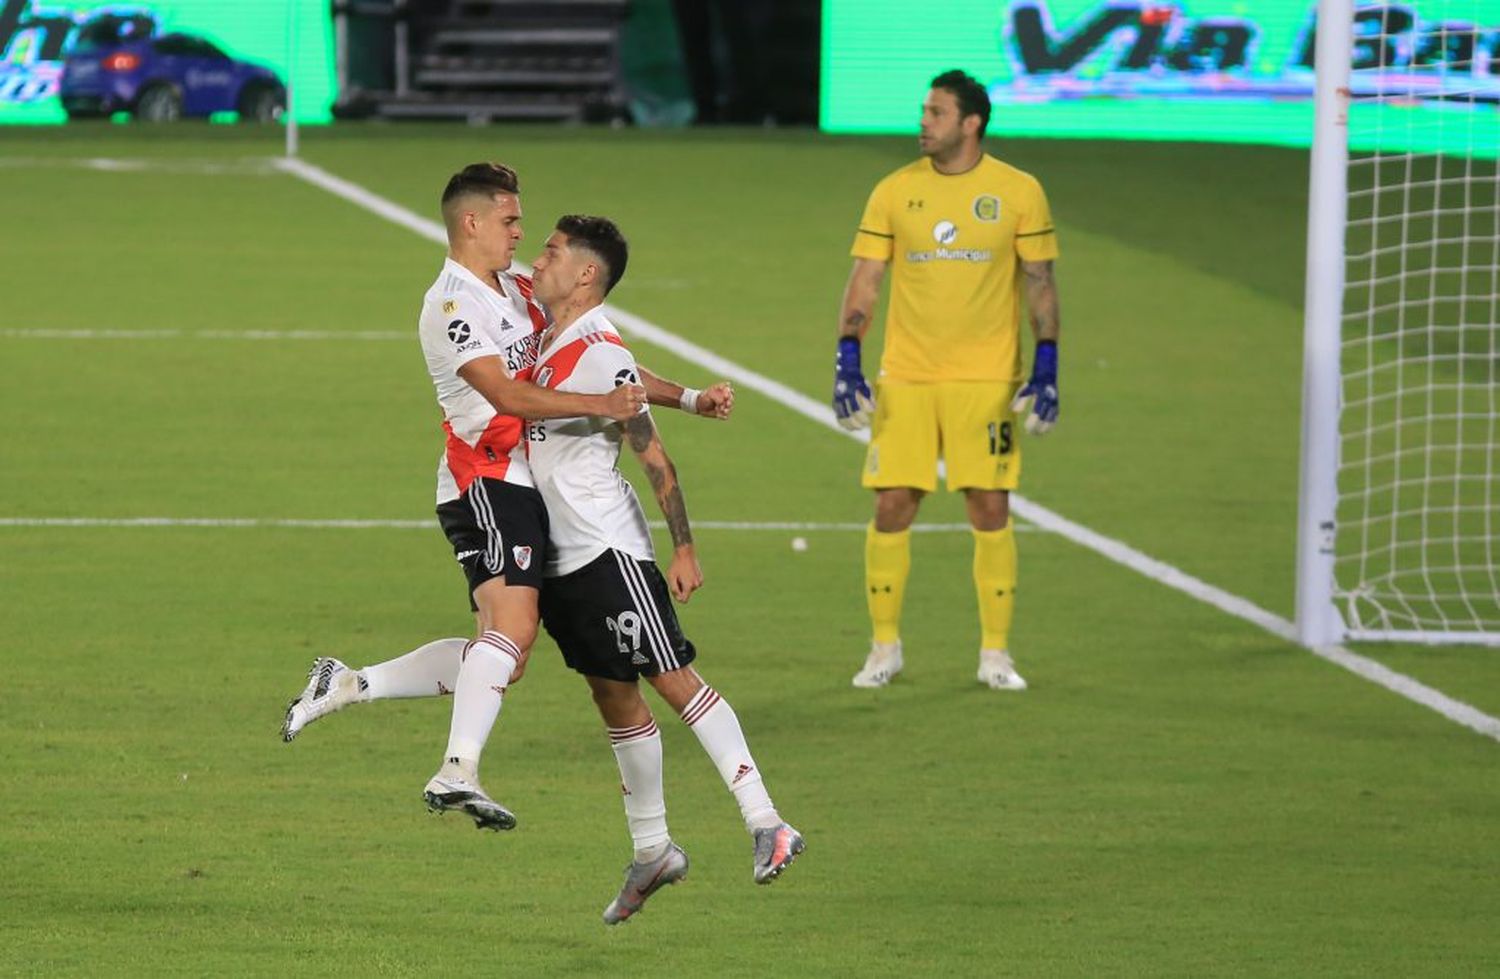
(292, 38)
(1225, 70)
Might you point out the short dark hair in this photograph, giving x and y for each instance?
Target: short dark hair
(602, 237)
(488, 179)
(973, 100)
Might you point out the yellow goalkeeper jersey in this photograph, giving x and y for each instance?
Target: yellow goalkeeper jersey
(955, 243)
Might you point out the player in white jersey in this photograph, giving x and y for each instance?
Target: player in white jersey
(480, 329)
(605, 601)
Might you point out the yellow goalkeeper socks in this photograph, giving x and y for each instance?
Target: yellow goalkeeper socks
(995, 584)
(887, 563)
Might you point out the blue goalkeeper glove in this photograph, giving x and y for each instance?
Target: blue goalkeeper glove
(852, 401)
(1040, 393)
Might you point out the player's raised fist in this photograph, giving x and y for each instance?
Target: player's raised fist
(716, 401)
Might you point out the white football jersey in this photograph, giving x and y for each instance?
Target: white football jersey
(591, 507)
(464, 319)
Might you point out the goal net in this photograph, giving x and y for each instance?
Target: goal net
(1415, 532)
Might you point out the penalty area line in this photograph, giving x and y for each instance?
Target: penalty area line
(820, 414)
(810, 526)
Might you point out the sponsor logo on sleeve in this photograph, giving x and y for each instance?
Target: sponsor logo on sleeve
(626, 376)
(458, 331)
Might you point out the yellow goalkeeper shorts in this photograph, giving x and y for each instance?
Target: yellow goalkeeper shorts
(967, 424)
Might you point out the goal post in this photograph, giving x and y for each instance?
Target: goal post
(1318, 621)
(1399, 493)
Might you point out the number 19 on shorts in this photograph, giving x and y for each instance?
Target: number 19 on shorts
(1000, 438)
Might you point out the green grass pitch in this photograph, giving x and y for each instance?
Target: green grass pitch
(1178, 794)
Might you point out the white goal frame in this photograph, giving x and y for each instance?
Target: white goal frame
(1319, 620)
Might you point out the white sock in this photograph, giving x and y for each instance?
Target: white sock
(430, 670)
(718, 730)
(638, 753)
(487, 665)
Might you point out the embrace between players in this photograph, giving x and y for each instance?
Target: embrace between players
(538, 391)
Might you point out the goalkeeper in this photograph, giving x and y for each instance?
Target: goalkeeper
(965, 236)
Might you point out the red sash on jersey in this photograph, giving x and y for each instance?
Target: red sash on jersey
(490, 456)
(538, 318)
(558, 367)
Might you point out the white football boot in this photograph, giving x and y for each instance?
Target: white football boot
(456, 787)
(997, 672)
(330, 686)
(883, 663)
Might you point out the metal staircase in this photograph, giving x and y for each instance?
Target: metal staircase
(480, 60)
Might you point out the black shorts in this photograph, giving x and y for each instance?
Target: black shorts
(497, 529)
(613, 618)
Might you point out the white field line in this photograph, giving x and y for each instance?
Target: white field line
(817, 412)
(253, 522)
(45, 333)
(245, 167)
(357, 195)
(1122, 553)
(1420, 638)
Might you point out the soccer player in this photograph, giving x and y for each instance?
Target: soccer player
(480, 331)
(966, 236)
(605, 601)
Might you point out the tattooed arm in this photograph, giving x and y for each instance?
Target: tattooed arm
(684, 576)
(860, 295)
(1041, 299)
(1040, 396)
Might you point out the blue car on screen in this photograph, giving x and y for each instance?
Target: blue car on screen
(115, 65)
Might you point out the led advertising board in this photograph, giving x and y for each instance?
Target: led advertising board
(292, 39)
(1227, 70)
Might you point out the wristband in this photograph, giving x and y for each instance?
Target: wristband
(1045, 360)
(688, 402)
